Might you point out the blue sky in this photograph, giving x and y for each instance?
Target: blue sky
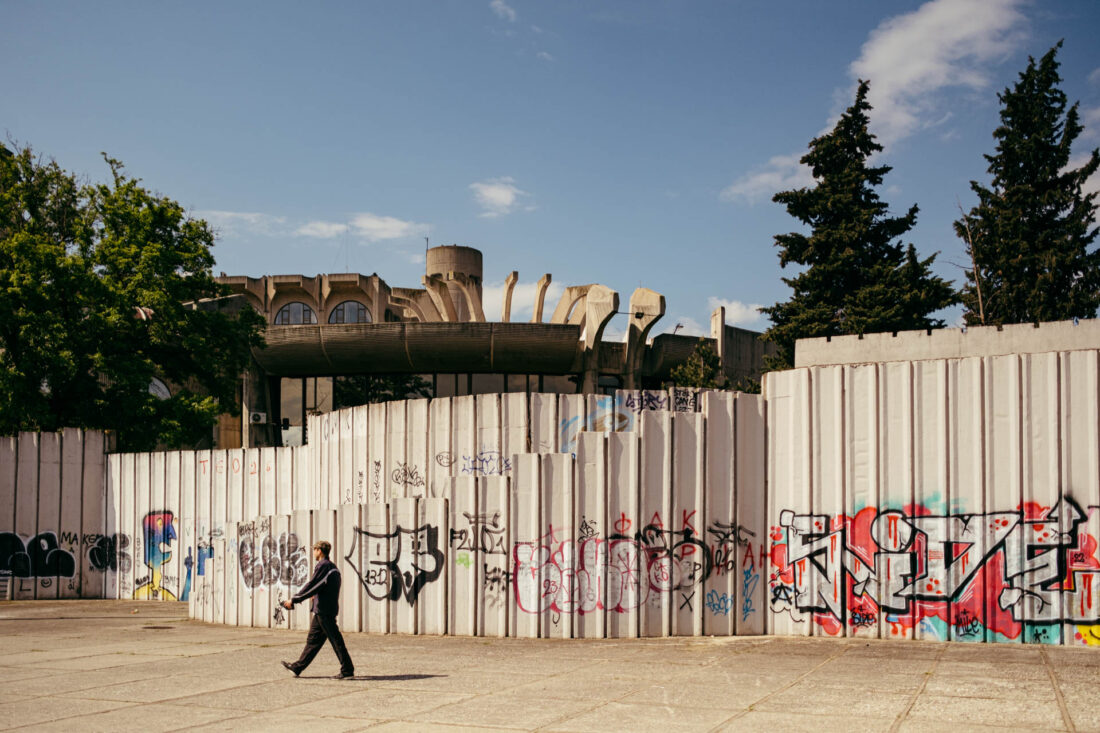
(633, 143)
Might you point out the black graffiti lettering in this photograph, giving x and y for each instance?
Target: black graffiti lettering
(396, 564)
(41, 556)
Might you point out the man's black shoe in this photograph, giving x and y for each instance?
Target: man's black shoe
(292, 668)
(344, 676)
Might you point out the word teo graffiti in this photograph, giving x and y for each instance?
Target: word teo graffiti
(970, 574)
(396, 564)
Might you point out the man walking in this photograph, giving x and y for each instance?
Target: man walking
(324, 588)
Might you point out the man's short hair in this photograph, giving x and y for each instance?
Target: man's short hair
(323, 546)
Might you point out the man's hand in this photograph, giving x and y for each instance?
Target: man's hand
(288, 605)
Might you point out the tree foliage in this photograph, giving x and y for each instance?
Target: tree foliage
(97, 290)
(1030, 234)
(702, 369)
(364, 389)
(858, 277)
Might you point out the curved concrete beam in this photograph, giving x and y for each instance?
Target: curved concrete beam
(646, 308)
(440, 297)
(509, 285)
(469, 291)
(540, 297)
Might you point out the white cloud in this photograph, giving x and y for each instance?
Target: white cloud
(1090, 118)
(944, 43)
(497, 196)
(688, 326)
(1094, 77)
(523, 300)
(376, 228)
(737, 313)
(321, 229)
(503, 10)
(242, 222)
(781, 173)
(544, 56)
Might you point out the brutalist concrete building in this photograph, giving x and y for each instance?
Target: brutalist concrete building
(326, 327)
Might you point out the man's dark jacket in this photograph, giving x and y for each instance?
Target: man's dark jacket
(324, 587)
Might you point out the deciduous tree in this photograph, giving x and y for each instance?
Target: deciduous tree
(98, 286)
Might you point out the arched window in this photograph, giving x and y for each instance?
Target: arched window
(293, 314)
(159, 389)
(350, 311)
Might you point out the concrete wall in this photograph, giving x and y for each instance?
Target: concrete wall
(53, 516)
(613, 538)
(951, 499)
(949, 343)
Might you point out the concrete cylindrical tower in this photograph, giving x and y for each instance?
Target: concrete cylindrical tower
(443, 261)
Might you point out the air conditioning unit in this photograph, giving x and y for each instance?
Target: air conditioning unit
(257, 418)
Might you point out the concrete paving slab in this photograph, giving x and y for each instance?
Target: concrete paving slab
(792, 722)
(265, 696)
(151, 718)
(641, 719)
(231, 678)
(844, 700)
(58, 683)
(1024, 712)
(277, 723)
(157, 689)
(503, 708)
(376, 704)
(98, 661)
(952, 685)
(35, 711)
(721, 697)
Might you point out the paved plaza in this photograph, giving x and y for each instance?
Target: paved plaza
(117, 665)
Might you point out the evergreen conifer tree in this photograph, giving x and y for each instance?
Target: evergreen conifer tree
(1029, 237)
(859, 278)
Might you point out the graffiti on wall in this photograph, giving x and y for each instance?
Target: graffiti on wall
(623, 571)
(39, 557)
(396, 564)
(269, 560)
(998, 575)
(159, 532)
(110, 553)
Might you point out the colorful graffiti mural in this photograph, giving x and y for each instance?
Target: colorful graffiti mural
(159, 532)
(1029, 574)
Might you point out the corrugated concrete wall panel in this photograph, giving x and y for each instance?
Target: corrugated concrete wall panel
(47, 536)
(492, 558)
(654, 518)
(463, 588)
(360, 452)
(750, 467)
(70, 525)
(346, 473)
(433, 529)
(416, 448)
(441, 451)
(528, 555)
(718, 592)
(557, 499)
(515, 430)
(396, 471)
(348, 519)
(627, 570)
(588, 537)
(691, 560)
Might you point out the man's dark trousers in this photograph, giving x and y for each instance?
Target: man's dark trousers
(324, 627)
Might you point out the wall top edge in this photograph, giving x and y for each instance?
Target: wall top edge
(949, 343)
